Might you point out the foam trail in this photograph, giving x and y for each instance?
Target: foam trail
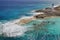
(56, 5)
(10, 29)
(36, 13)
(26, 17)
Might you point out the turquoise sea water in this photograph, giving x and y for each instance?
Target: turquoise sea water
(54, 28)
(14, 10)
(51, 31)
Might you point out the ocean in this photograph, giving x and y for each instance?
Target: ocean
(13, 10)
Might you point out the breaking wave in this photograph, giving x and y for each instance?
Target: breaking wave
(11, 29)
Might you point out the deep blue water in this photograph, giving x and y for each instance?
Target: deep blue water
(13, 9)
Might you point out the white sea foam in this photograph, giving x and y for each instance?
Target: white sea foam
(37, 13)
(57, 5)
(26, 17)
(10, 29)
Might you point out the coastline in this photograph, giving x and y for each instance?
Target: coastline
(27, 19)
(17, 24)
(57, 5)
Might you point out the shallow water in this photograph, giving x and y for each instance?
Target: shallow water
(51, 31)
(54, 27)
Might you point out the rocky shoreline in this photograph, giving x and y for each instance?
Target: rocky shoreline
(46, 13)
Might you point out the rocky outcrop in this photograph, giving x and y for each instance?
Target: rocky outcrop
(26, 20)
(57, 8)
(48, 12)
(40, 16)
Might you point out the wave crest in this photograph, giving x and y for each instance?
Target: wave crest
(10, 29)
